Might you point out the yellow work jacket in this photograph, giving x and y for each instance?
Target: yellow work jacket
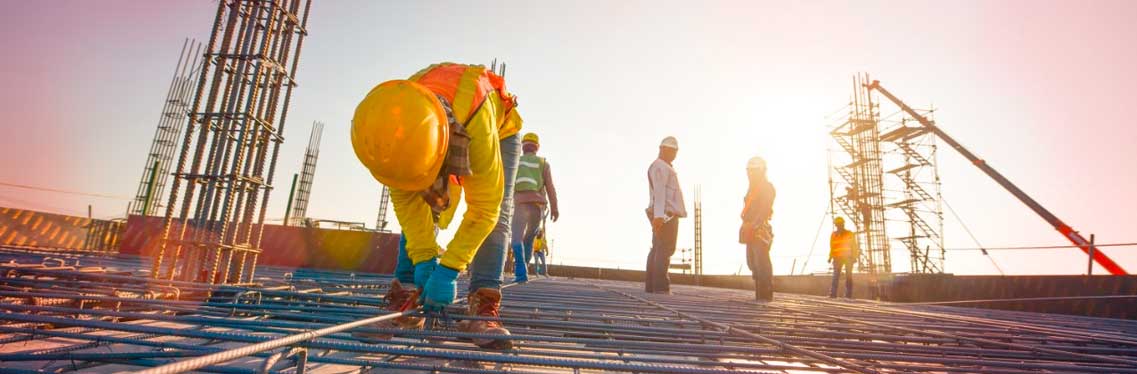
(843, 245)
(481, 102)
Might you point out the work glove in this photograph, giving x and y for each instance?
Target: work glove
(440, 289)
(423, 271)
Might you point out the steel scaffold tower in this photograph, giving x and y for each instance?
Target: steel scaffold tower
(156, 171)
(307, 173)
(858, 193)
(915, 201)
(211, 233)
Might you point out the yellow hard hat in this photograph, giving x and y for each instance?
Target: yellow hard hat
(839, 221)
(399, 132)
(531, 138)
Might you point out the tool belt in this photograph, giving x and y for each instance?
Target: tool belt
(457, 162)
(756, 234)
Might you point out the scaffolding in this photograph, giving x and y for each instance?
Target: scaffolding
(858, 193)
(914, 197)
(211, 232)
(307, 173)
(156, 171)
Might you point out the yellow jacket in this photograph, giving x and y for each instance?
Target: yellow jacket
(538, 245)
(480, 101)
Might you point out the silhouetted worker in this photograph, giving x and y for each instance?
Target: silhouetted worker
(663, 211)
(843, 253)
(756, 231)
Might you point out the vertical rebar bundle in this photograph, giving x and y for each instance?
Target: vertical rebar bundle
(859, 192)
(384, 202)
(307, 173)
(212, 231)
(174, 110)
(698, 233)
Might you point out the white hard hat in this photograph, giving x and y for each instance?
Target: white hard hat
(756, 163)
(669, 142)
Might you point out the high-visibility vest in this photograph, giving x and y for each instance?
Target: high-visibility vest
(469, 88)
(843, 245)
(530, 173)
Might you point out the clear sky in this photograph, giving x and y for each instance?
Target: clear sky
(1041, 89)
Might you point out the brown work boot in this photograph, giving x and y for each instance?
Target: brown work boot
(486, 302)
(398, 299)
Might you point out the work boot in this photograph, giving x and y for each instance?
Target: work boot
(398, 299)
(486, 302)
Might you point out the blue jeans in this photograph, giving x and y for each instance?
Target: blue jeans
(485, 270)
(526, 224)
(542, 268)
(838, 265)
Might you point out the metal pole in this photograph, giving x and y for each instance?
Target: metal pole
(291, 192)
(150, 189)
(1090, 266)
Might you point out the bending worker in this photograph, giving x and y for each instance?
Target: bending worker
(843, 253)
(756, 231)
(534, 185)
(663, 211)
(450, 128)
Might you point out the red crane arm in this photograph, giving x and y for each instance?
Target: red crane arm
(1068, 232)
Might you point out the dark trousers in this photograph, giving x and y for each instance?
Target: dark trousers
(659, 259)
(847, 266)
(758, 259)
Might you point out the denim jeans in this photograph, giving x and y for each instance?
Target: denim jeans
(838, 265)
(526, 224)
(486, 269)
(542, 268)
(659, 259)
(758, 259)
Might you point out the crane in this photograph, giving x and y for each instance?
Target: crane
(1066, 231)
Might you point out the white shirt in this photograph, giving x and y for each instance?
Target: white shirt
(666, 196)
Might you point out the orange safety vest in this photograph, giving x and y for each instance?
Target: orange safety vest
(842, 245)
(467, 87)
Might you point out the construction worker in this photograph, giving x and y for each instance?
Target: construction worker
(540, 250)
(449, 129)
(663, 211)
(756, 231)
(533, 191)
(843, 253)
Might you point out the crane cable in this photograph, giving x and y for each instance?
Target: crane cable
(973, 238)
(45, 189)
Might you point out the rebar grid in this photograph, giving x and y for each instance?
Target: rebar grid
(246, 82)
(89, 313)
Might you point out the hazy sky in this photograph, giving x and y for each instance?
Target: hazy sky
(1042, 90)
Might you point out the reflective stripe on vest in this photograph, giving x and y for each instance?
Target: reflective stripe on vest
(841, 244)
(530, 173)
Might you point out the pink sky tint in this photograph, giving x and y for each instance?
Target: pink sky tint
(1041, 89)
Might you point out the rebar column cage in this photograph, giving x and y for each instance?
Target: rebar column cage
(212, 233)
(912, 191)
(858, 193)
(307, 173)
(174, 111)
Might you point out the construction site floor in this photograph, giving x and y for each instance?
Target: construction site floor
(87, 313)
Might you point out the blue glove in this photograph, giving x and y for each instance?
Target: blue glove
(440, 289)
(423, 271)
